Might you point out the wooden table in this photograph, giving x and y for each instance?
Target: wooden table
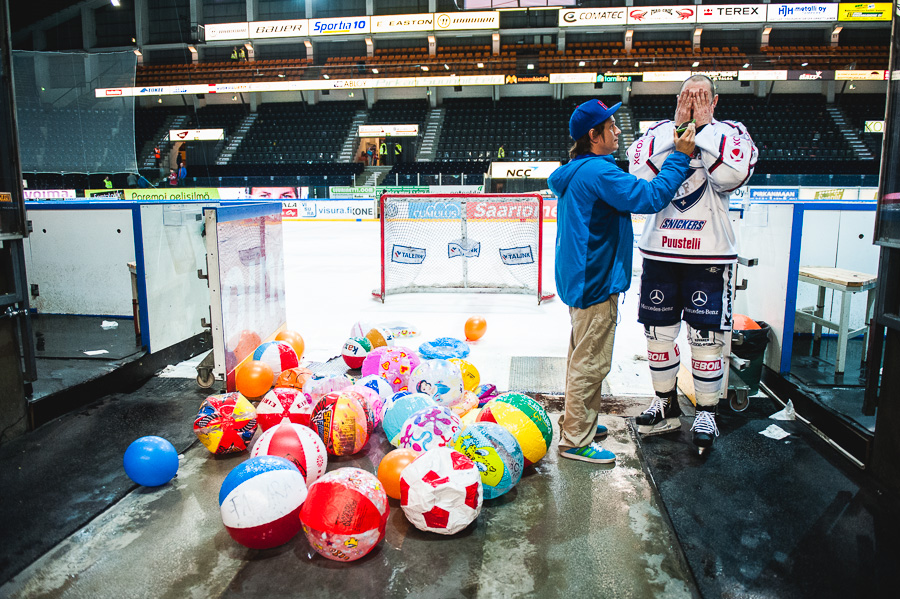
(847, 282)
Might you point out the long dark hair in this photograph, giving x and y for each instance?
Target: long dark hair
(583, 144)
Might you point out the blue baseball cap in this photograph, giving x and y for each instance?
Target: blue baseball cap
(588, 115)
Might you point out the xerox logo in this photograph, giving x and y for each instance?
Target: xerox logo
(403, 254)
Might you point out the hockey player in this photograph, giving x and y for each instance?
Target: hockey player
(689, 255)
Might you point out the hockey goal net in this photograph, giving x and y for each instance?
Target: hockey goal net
(461, 242)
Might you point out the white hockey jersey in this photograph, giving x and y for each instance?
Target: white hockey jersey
(694, 228)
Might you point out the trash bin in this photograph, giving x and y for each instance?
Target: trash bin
(753, 349)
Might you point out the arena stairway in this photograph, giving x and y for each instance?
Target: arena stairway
(161, 140)
(625, 122)
(372, 176)
(433, 126)
(348, 150)
(856, 144)
(234, 143)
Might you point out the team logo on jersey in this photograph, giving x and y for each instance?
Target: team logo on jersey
(698, 298)
(656, 296)
(691, 190)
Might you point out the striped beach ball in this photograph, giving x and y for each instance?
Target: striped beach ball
(345, 514)
(277, 354)
(355, 351)
(283, 402)
(496, 453)
(341, 422)
(297, 443)
(260, 502)
(526, 419)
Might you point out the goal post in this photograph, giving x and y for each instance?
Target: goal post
(483, 243)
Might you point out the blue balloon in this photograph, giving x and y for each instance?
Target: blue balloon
(151, 461)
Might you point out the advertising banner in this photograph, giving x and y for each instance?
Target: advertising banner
(874, 127)
(774, 194)
(227, 31)
(535, 78)
(572, 77)
(802, 12)
(810, 75)
(398, 23)
(860, 75)
(339, 26)
(592, 17)
(173, 193)
(288, 28)
(455, 21)
(656, 15)
(352, 210)
(388, 130)
(864, 11)
(49, 194)
(522, 170)
(196, 134)
(731, 13)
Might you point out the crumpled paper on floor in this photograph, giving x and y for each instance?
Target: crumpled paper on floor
(109, 324)
(787, 413)
(773, 431)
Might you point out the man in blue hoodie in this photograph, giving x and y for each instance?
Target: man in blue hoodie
(593, 257)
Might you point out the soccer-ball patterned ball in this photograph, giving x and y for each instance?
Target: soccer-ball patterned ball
(441, 491)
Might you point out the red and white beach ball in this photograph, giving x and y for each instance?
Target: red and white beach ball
(345, 514)
(277, 354)
(355, 351)
(297, 443)
(260, 502)
(283, 402)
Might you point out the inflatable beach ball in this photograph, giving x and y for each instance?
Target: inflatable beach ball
(378, 385)
(380, 337)
(526, 419)
(225, 423)
(260, 502)
(441, 379)
(496, 453)
(362, 397)
(341, 422)
(283, 402)
(355, 351)
(277, 354)
(373, 400)
(399, 412)
(429, 427)
(393, 364)
(319, 385)
(441, 491)
(293, 377)
(345, 514)
(296, 443)
(471, 377)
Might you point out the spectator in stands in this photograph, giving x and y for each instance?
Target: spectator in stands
(382, 153)
(157, 155)
(398, 153)
(107, 183)
(234, 54)
(501, 152)
(173, 177)
(689, 256)
(242, 54)
(132, 180)
(182, 174)
(370, 152)
(593, 258)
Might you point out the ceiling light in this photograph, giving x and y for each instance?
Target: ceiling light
(234, 98)
(803, 64)
(767, 31)
(375, 71)
(696, 64)
(281, 75)
(115, 2)
(424, 67)
(746, 65)
(137, 52)
(581, 63)
(446, 66)
(852, 86)
(615, 62)
(159, 100)
(480, 65)
(530, 67)
(637, 64)
(326, 76)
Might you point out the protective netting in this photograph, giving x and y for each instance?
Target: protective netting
(477, 243)
(63, 127)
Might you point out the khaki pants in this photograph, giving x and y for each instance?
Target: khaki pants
(590, 357)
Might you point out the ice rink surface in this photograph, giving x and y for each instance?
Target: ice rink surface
(331, 269)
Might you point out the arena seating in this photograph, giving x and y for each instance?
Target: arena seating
(859, 108)
(295, 132)
(398, 112)
(438, 173)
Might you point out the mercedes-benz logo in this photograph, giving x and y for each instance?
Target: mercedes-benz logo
(699, 298)
(656, 296)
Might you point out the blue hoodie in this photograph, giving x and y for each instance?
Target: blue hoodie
(594, 237)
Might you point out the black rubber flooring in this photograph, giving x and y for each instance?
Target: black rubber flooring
(60, 476)
(758, 517)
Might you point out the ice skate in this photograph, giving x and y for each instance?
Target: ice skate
(704, 428)
(662, 416)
